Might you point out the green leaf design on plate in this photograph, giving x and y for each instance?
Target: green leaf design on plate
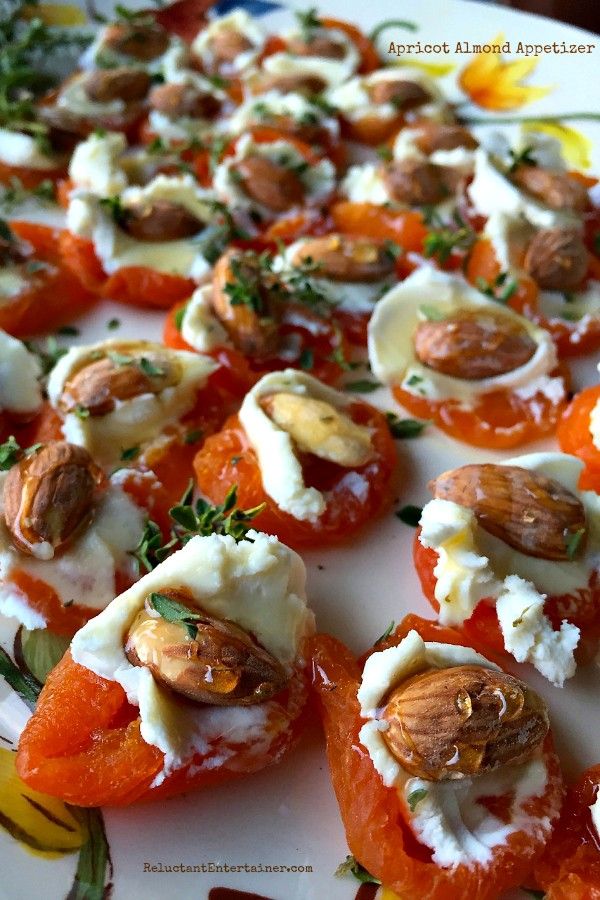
(22, 683)
(94, 866)
(42, 650)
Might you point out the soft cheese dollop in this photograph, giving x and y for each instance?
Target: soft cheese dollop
(281, 470)
(473, 564)
(447, 816)
(259, 584)
(200, 327)
(22, 150)
(426, 291)
(88, 218)
(132, 422)
(20, 372)
(84, 573)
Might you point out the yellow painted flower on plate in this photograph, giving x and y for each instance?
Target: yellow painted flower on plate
(43, 825)
(65, 14)
(493, 83)
(576, 147)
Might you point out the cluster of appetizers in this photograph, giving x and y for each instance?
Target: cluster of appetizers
(210, 176)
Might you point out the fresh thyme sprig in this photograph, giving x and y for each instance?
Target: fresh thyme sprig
(190, 520)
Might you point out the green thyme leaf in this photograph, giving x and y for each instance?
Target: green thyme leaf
(351, 866)
(573, 543)
(385, 153)
(410, 515)
(68, 331)
(405, 428)
(432, 313)
(415, 797)
(178, 318)
(307, 359)
(172, 611)
(130, 453)
(113, 324)
(150, 542)
(192, 437)
(120, 359)
(362, 386)
(149, 368)
(386, 633)
(522, 157)
(441, 243)
(10, 453)
(82, 412)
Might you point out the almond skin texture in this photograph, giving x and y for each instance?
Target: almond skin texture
(140, 40)
(221, 666)
(319, 45)
(462, 722)
(531, 513)
(472, 347)
(343, 258)
(177, 100)
(122, 83)
(50, 496)
(305, 84)
(404, 95)
(555, 189)
(98, 385)
(415, 183)
(163, 220)
(270, 184)
(557, 259)
(434, 136)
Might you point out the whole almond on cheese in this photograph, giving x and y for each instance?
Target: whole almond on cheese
(533, 514)
(341, 257)
(462, 721)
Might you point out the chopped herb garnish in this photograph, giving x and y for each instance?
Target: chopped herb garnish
(235, 460)
(149, 368)
(415, 797)
(68, 331)
(410, 515)
(392, 250)
(569, 297)
(351, 866)
(115, 209)
(307, 359)
(414, 380)
(441, 243)
(149, 546)
(385, 153)
(172, 611)
(432, 313)
(362, 386)
(82, 412)
(386, 633)
(130, 453)
(502, 288)
(573, 542)
(308, 22)
(404, 428)
(120, 359)
(178, 318)
(10, 453)
(522, 157)
(113, 324)
(192, 437)
(48, 355)
(156, 145)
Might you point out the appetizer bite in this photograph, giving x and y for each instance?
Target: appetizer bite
(509, 552)
(149, 245)
(136, 40)
(482, 372)
(320, 460)
(138, 405)
(229, 45)
(535, 234)
(442, 764)
(67, 534)
(194, 675)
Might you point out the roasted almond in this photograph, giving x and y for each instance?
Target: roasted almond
(252, 326)
(318, 45)
(557, 259)
(270, 184)
(533, 514)
(161, 220)
(122, 83)
(432, 136)
(98, 385)
(404, 95)
(307, 84)
(462, 722)
(227, 43)
(209, 660)
(140, 40)
(415, 183)
(473, 346)
(49, 496)
(184, 100)
(555, 189)
(317, 427)
(344, 258)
